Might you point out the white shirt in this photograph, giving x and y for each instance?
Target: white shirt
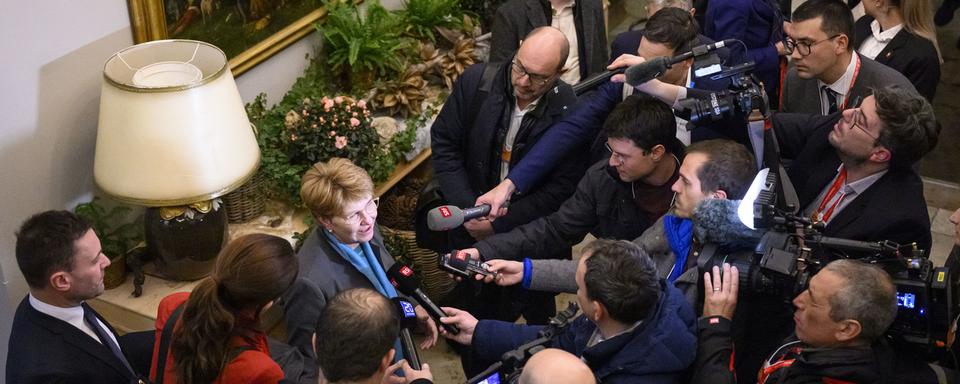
(841, 86)
(849, 192)
(516, 117)
(878, 40)
(564, 21)
(72, 316)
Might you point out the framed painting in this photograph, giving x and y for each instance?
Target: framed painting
(248, 31)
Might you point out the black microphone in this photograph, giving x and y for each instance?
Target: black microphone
(654, 68)
(401, 276)
(447, 217)
(716, 221)
(592, 82)
(408, 321)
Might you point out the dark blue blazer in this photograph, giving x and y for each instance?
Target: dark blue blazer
(759, 24)
(44, 349)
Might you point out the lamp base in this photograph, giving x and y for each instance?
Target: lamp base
(184, 247)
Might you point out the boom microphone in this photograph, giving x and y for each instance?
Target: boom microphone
(716, 221)
(654, 68)
(401, 276)
(447, 217)
(594, 81)
(408, 321)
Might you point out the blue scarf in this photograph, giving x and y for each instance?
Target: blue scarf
(679, 234)
(364, 261)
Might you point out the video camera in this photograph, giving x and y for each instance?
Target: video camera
(793, 249)
(508, 369)
(744, 95)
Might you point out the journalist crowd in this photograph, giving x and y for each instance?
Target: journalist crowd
(829, 102)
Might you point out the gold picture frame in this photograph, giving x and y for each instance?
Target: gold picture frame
(148, 20)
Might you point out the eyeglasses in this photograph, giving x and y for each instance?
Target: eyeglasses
(370, 210)
(618, 158)
(518, 69)
(859, 121)
(789, 44)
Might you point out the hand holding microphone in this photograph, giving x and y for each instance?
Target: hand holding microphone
(401, 276)
(447, 217)
(408, 321)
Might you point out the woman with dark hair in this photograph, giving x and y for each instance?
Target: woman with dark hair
(216, 337)
(900, 34)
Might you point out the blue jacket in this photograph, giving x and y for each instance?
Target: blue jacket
(657, 351)
(759, 24)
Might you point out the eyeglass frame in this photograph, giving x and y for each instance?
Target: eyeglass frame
(855, 123)
(616, 155)
(371, 212)
(517, 66)
(790, 44)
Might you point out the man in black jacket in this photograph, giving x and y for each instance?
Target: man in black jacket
(838, 338)
(494, 115)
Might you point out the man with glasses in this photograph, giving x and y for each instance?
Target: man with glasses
(828, 75)
(495, 113)
(853, 171)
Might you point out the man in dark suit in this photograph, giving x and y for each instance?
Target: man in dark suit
(852, 171)
(828, 75)
(56, 336)
(494, 115)
(587, 37)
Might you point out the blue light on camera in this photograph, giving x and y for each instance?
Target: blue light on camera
(907, 300)
(492, 379)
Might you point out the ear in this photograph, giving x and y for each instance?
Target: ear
(326, 222)
(693, 11)
(848, 330)
(599, 311)
(842, 42)
(719, 194)
(387, 360)
(60, 281)
(880, 155)
(658, 151)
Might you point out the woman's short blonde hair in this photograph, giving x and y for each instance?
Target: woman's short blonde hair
(327, 186)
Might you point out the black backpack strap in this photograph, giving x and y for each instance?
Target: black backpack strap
(486, 84)
(165, 336)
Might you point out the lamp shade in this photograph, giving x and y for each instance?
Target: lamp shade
(173, 129)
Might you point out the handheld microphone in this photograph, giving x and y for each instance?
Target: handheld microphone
(447, 217)
(716, 221)
(408, 321)
(654, 68)
(401, 276)
(592, 82)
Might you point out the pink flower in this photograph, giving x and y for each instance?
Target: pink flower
(327, 104)
(314, 126)
(341, 142)
(322, 120)
(338, 99)
(362, 104)
(293, 137)
(332, 133)
(354, 114)
(354, 122)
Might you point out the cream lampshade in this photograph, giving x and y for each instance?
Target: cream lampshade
(173, 133)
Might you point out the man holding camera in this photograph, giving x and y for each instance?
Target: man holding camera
(840, 322)
(355, 338)
(634, 328)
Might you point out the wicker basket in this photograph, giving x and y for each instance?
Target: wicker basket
(403, 246)
(245, 203)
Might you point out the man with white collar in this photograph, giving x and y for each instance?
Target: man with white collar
(828, 76)
(56, 336)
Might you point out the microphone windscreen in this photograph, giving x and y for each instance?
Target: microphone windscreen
(444, 217)
(645, 71)
(408, 316)
(716, 221)
(401, 276)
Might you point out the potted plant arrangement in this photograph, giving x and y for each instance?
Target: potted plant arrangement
(119, 234)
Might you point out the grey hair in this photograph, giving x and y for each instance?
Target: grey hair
(868, 296)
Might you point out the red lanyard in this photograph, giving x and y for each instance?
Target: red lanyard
(819, 215)
(853, 80)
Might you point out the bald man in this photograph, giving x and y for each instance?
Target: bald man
(556, 366)
(495, 113)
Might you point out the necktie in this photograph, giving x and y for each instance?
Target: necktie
(831, 100)
(91, 319)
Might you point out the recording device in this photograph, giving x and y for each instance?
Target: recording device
(401, 276)
(447, 217)
(508, 369)
(791, 249)
(408, 321)
(594, 81)
(461, 264)
(654, 68)
(744, 95)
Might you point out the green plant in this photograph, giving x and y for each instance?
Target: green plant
(355, 45)
(420, 18)
(118, 234)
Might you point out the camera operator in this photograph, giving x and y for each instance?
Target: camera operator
(355, 339)
(838, 338)
(852, 170)
(634, 328)
(556, 366)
